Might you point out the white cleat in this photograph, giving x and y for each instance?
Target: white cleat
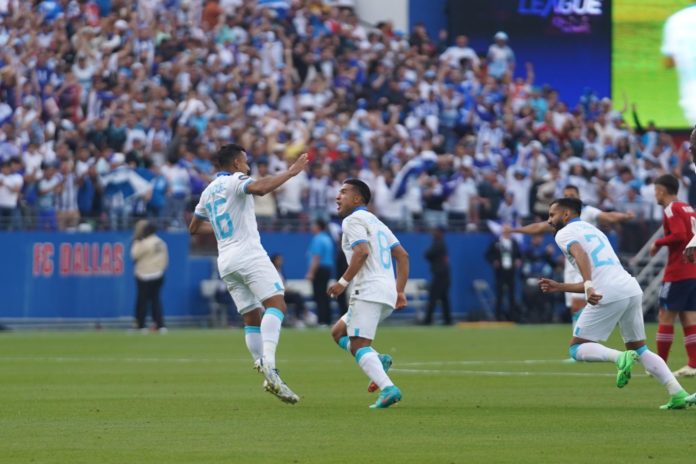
(685, 371)
(275, 385)
(258, 365)
(690, 400)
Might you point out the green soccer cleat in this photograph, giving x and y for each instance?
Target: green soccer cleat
(386, 364)
(624, 364)
(388, 396)
(677, 401)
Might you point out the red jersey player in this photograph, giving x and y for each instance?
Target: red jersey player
(678, 293)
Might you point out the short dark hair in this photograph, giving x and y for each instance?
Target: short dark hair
(572, 187)
(573, 204)
(692, 142)
(227, 153)
(669, 182)
(320, 223)
(362, 189)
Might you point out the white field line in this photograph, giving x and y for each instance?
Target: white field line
(500, 373)
(409, 367)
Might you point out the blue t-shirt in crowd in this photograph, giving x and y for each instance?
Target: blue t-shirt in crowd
(322, 245)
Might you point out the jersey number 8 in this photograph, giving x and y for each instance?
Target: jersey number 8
(384, 250)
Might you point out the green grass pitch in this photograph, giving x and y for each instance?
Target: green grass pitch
(638, 65)
(494, 395)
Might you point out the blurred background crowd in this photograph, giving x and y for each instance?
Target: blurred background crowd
(110, 111)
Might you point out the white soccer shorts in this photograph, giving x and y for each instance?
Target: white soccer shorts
(253, 284)
(596, 323)
(363, 317)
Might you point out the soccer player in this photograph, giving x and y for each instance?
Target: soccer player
(589, 214)
(369, 247)
(678, 293)
(613, 296)
(226, 208)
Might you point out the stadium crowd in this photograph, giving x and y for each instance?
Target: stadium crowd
(111, 110)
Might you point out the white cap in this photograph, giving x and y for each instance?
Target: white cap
(121, 25)
(118, 158)
(500, 35)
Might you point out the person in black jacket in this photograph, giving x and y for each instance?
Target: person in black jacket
(438, 258)
(504, 255)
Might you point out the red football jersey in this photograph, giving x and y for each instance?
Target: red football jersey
(679, 223)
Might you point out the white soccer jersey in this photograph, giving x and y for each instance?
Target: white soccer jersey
(608, 275)
(230, 210)
(678, 43)
(589, 214)
(375, 281)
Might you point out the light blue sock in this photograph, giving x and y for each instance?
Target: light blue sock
(344, 342)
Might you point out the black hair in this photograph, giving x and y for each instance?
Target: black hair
(149, 229)
(227, 153)
(572, 187)
(669, 182)
(321, 224)
(362, 189)
(572, 204)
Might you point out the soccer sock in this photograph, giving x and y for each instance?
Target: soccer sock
(658, 368)
(690, 344)
(664, 339)
(371, 365)
(593, 352)
(252, 336)
(344, 342)
(270, 333)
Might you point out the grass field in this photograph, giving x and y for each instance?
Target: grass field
(470, 395)
(637, 63)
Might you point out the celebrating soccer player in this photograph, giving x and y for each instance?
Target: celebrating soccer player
(369, 247)
(226, 209)
(613, 296)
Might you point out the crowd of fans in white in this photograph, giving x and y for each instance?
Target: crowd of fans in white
(111, 110)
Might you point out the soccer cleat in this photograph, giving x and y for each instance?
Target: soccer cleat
(258, 365)
(686, 371)
(386, 364)
(677, 401)
(569, 361)
(624, 364)
(275, 385)
(690, 400)
(388, 396)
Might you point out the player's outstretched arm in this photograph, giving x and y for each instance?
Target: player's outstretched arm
(612, 217)
(200, 226)
(266, 185)
(360, 254)
(402, 268)
(534, 228)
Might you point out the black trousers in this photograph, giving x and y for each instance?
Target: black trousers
(439, 291)
(149, 298)
(320, 283)
(505, 289)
